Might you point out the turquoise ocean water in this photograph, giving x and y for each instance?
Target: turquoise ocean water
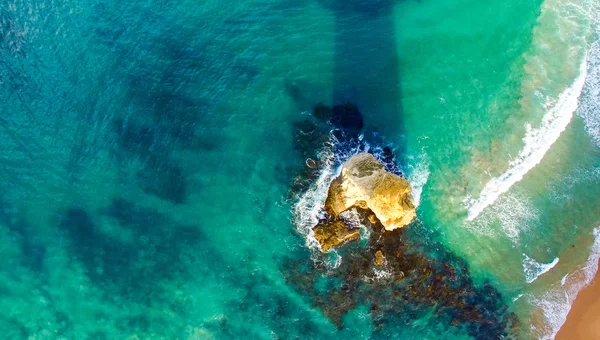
(149, 148)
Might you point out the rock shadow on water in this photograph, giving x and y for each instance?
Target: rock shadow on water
(12, 328)
(370, 8)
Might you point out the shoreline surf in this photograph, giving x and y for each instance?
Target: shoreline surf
(583, 319)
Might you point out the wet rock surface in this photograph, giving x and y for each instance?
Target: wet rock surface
(365, 182)
(333, 233)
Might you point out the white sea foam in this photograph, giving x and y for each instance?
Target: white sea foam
(351, 218)
(534, 269)
(513, 212)
(418, 176)
(309, 205)
(307, 209)
(563, 280)
(382, 274)
(562, 188)
(589, 104)
(556, 303)
(537, 142)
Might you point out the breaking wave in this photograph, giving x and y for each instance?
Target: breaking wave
(561, 38)
(589, 103)
(513, 213)
(537, 142)
(556, 303)
(418, 175)
(309, 205)
(534, 269)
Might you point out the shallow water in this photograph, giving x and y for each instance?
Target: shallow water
(149, 149)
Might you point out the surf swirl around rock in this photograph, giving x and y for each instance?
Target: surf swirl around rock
(368, 255)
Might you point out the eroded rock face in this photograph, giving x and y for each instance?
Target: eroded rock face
(364, 182)
(333, 233)
(363, 191)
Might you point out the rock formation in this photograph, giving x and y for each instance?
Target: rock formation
(333, 233)
(364, 183)
(403, 275)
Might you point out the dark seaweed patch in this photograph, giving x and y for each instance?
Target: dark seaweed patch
(159, 175)
(135, 138)
(295, 92)
(347, 118)
(23, 234)
(97, 336)
(11, 328)
(157, 250)
(424, 278)
(165, 180)
(62, 322)
(104, 257)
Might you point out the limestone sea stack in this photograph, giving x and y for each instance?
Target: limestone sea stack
(364, 181)
(364, 186)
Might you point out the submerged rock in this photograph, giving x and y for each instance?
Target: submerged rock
(405, 278)
(379, 258)
(348, 118)
(333, 233)
(322, 112)
(364, 182)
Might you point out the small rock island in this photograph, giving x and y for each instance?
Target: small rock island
(363, 189)
(402, 275)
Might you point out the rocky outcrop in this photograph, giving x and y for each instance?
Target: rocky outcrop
(379, 195)
(333, 233)
(401, 275)
(364, 182)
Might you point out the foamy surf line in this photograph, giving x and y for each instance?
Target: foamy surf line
(534, 269)
(307, 209)
(589, 106)
(537, 143)
(557, 302)
(418, 176)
